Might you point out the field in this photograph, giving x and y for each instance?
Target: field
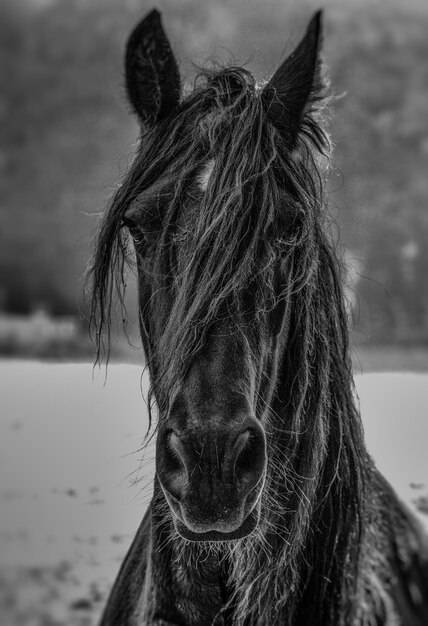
(73, 485)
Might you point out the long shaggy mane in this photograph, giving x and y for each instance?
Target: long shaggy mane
(264, 206)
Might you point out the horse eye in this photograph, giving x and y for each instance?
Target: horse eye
(138, 235)
(139, 238)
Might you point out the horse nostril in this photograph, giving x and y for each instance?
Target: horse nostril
(174, 457)
(250, 455)
(244, 447)
(171, 465)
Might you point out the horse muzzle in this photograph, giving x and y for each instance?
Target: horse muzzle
(212, 479)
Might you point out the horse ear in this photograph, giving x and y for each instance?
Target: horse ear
(296, 83)
(151, 71)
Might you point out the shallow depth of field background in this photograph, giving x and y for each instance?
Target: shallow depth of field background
(69, 444)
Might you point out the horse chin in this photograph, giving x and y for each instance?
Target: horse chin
(246, 528)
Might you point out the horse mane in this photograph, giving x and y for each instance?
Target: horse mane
(306, 554)
(265, 203)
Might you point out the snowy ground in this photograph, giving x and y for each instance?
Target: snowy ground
(68, 464)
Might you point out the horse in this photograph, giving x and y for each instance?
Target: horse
(267, 508)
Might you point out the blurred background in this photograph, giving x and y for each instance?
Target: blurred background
(73, 487)
(66, 137)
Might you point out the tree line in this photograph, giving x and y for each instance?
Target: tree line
(66, 137)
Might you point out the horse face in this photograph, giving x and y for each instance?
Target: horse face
(211, 454)
(210, 326)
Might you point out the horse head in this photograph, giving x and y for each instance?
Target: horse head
(221, 203)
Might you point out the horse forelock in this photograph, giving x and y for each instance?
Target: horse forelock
(222, 121)
(258, 204)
